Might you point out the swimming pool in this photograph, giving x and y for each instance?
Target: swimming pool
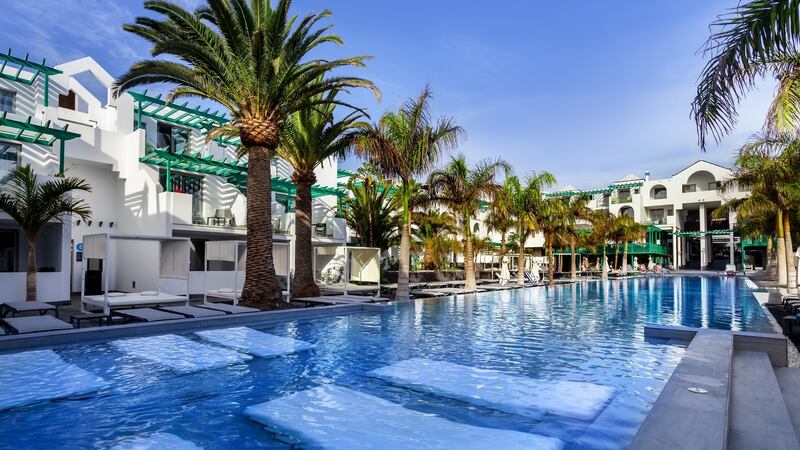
(590, 333)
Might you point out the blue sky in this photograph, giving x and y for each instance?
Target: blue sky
(590, 91)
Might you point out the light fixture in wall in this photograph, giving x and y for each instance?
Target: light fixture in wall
(78, 222)
(110, 224)
(100, 224)
(89, 222)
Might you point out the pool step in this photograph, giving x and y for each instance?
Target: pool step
(758, 415)
(789, 382)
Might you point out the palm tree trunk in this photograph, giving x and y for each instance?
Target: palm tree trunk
(521, 262)
(469, 262)
(573, 270)
(769, 265)
(616, 256)
(427, 256)
(781, 250)
(402, 292)
(303, 284)
(603, 265)
(502, 248)
(625, 258)
(791, 273)
(261, 289)
(30, 276)
(550, 264)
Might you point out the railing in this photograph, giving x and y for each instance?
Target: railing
(660, 195)
(658, 221)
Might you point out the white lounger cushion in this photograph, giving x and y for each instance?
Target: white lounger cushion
(40, 375)
(133, 299)
(509, 393)
(179, 353)
(337, 418)
(255, 342)
(157, 441)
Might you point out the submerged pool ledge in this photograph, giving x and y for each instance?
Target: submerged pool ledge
(16, 342)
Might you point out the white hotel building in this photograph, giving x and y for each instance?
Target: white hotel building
(151, 172)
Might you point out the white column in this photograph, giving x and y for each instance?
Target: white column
(675, 248)
(703, 239)
(731, 249)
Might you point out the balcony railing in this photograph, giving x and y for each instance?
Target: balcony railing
(660, 195)
(658, 221)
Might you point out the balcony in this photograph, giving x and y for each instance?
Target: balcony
(330, 229)
(658, 221)
(659, 195)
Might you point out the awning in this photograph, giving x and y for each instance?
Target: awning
(179, 114)
(25, 131)
(605, 190)
(235, 172)
(702, 233)
(26, 72)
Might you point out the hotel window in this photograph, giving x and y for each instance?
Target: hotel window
(9, 157)
(689, 188)
(175, 139)
(8, 250)
(186, 184)
(7, 101)
(714, 186)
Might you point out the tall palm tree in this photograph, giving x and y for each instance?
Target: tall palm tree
(461, 188)
(749, 41)
(553, 223)
(768, 164)
(433, 235)
(33, 205)
(311, 137)
(370, 212)
(525, 207)
(403, 145)
(603, 228)
(252, 58)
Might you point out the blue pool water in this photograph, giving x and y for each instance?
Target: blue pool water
(590, 332)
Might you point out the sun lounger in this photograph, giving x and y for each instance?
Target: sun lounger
(122, 299)
(228, 309)
(35, 324)
(254, 342)
(191, 311)
(338, 418)
(513, 394)
(179, 353)
(157, 441)
(41, 375)
(18, 307)
(146, 314)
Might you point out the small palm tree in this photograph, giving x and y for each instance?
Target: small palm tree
(311, 137)
(461, 188)
(402, 146)
(33, 205)
(433, 235)
(575, 208)
(371, 210)
(525, 207)
(254, 60)
(628, 230)
(603, 229)
(498, 220)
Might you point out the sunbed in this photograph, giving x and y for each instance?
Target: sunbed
(228, 309)
(34, 324)
(123, 299)
(191, 311)
(146, 315)
(17, 307)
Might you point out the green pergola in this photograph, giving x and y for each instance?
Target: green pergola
(177, 113)
(12, 70)
(695, 234)
(25, 131)
(234, 172)
(606, 190)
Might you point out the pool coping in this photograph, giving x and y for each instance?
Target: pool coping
(16, 342)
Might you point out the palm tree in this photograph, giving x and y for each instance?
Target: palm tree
(433, 234)
(575, 208)
(461, 188)
(402, 146)
(553, 223)
(311, 137)
(498, 219)
(749, 41)
(768, 164)
(33, 205)
(628, 230)
(525, 207)
(370, 212)
(253, 59)
(603, 228)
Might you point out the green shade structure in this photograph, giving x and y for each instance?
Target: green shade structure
(22, 70)
(235, 172)
(605, 190)
(25, 131)
(177, 113)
